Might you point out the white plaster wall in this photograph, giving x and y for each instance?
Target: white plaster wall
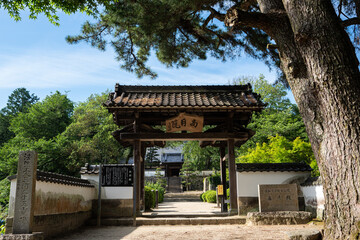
(151, 173)
(54, 188)
(314, 196)
(109, 192)
(247, 182)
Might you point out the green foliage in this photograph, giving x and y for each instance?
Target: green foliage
(228, 194)
(280, 150)
(211, 196)
(274, 95)
(215, 179)
(45, 119)
(50, 8)
(178, 31)
(149, 198)
(203, 196)
(188, 175)
(19, 101)
(157, 186)
(152, 157)
(198, 159)
(160, 178)
(89, 135)
(279, 117)
(4, 198)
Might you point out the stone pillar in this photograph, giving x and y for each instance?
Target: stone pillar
(25, 193)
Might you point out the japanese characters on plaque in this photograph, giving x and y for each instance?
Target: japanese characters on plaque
(278, 197)
(185, 122)
(117, 175)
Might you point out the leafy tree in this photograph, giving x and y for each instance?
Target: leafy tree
(188, 174)
(198, 158)
(89, 135)
(152, 156)
(281, 150)
(274, 95)
(19, 101)
(45, 119)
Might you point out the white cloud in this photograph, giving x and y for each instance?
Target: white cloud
(86, 66)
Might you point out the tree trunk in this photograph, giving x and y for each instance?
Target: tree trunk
(320, 64)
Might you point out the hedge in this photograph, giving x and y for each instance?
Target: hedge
(149, 198)
(211, 196)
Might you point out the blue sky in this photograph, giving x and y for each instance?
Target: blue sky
(35, 55)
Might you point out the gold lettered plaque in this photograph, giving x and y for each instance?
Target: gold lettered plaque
(185, 122)
(220, 190)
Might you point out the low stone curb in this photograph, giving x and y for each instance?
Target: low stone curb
(305, 234)
(278, 218)
(33, 236)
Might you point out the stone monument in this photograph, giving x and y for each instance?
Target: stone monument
(25, 193)
(278, 197)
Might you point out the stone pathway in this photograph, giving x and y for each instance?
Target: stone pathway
(189, 232)
(173, 206)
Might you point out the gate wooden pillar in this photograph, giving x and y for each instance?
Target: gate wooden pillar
(137, 182)
(137, 163)
(142, 179)
(232, 177)
(232, 170)
(223, 178)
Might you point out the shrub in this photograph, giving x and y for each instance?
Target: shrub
(157, 186)
(204, 195)
(201, 196)
(211, 196)
(149, 198)
(228, 193)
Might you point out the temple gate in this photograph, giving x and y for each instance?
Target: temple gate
(151, 115)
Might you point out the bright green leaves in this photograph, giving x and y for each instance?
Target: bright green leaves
(281, 150)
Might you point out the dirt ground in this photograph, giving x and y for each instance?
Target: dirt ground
(186, 232)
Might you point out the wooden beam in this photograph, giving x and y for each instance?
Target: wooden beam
(209, 136)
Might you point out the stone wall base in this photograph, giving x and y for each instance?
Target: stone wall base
(278, 218)
(113, 208)
(54, 224)
(33, 236)
(251, 204)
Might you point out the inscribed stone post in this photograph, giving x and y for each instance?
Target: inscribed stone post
(25, 193)
(278, 197)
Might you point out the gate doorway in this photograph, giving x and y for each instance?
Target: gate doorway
(151, 115)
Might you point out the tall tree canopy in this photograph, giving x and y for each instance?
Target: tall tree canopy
(19, 101)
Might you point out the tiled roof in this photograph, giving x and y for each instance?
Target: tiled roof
(90, 169)
(273, 167)
(58, 178)
(225, 96)
(312, 181)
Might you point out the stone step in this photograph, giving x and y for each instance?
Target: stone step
(141, 221)
(183, 215)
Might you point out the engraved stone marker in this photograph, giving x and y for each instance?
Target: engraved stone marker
(278, 197)
(25, 193)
